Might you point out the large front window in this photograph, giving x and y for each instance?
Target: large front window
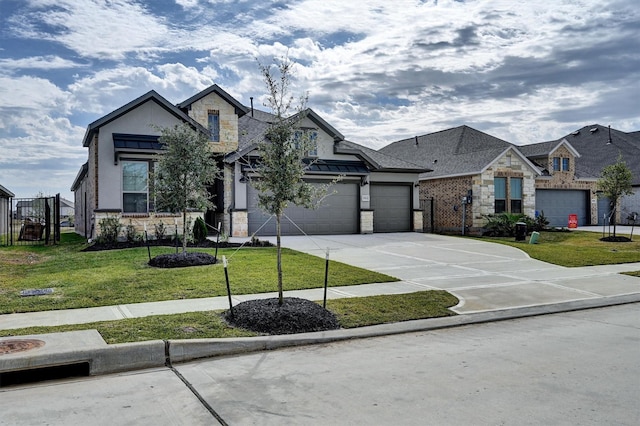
(515, 192)
(135, 187)
(508, 194)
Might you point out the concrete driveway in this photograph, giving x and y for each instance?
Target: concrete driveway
(484, 276)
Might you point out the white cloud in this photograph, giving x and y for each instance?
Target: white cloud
(48, 62)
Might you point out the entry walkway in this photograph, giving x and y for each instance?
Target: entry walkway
(484, 276)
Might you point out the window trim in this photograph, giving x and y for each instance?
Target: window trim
(214, 134)
(147, 189)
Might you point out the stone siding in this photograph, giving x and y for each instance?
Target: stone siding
(228, 121)
(149, 220)
(240, 223)
(366, 221)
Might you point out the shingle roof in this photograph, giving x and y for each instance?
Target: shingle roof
(240, 109)
(596, 152)
(454, 152)
(378, 161)
(152, 96)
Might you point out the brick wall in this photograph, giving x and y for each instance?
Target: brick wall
(447, 194)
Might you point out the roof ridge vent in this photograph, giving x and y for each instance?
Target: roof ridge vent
(593, 130)
(576, 133)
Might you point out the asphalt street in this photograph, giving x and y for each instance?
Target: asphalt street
(564, 369)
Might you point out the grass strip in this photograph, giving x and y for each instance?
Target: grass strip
(351, 312)
(575, 248)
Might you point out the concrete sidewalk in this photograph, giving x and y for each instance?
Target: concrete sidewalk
(484, 276)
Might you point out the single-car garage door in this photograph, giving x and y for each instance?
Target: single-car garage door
(391, 206)
(558, 204)
(338, 214)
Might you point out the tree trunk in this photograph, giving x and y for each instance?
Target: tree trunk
(279, 251)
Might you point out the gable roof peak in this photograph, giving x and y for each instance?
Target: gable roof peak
(214, 88)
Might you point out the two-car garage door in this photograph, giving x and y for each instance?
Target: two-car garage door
(339, 212)
(558, 204)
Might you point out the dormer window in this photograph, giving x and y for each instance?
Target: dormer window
(213, 121)
(561, 164)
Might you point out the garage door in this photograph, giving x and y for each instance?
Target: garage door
(338, 214)
(557, 205)
(391, 206)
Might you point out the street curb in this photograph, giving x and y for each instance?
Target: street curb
(63, 348)
(188, 350)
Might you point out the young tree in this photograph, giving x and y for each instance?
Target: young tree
(615, 182)
(280, 168)
(182, 172)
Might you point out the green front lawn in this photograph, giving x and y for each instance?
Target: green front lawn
(351, 312)
(576, 248)
(111, 277)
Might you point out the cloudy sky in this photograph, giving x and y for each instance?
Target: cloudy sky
(377, 70)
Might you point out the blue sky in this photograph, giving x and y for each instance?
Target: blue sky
(377, 70)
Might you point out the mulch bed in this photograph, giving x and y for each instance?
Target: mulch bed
(616, 239)
(294, 316)
(168, 243)
(182, 260)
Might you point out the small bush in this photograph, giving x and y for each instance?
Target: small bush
(200, 231)
(130, 233)
(110, 228)
(504, 224)
(160, 231)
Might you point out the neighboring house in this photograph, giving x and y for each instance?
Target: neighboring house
(474, 175)
(67, 208)
(571, 168)
(377, 194)
(6, 198)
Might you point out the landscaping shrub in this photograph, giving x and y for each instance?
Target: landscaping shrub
(160, 231)
(503, 224)
(110, 228)
(200, 231)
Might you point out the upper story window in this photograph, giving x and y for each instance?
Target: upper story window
(213, 121)
(311, 141)
(135, 186)
(561, 164)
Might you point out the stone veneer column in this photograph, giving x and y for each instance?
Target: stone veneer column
(239, 223)
(366, 221)
(417, 220)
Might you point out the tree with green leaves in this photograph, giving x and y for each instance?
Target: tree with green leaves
(182, 172)
(280, 168)
(614, 183)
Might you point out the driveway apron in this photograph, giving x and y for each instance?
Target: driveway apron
(483, 275)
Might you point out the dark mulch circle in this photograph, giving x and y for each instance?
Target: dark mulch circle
(294, 316)
(616, 239)
(182, 260)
